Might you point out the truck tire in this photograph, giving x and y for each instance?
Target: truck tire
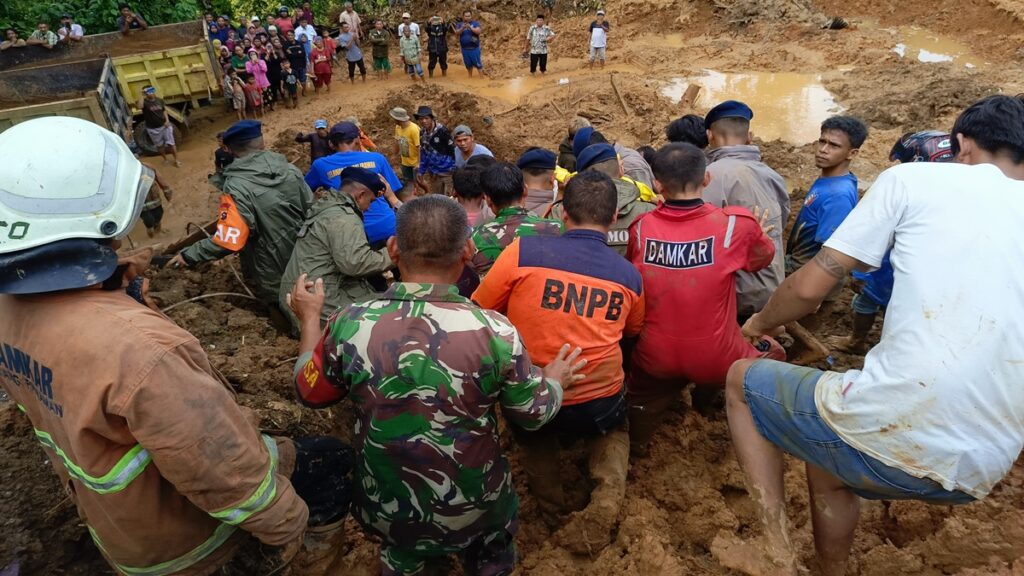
(144, 142)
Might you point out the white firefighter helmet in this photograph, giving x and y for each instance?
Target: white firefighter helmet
(66, 185)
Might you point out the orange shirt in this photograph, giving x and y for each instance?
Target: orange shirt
(571, 289)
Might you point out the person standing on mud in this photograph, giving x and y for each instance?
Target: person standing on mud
(168, 473)
(874, 289)
(380, 40)
(379, 219)
(740, 178)
(937, 412)
(262, 205)
(538, 167)
(505, 190)
(158, 124)
(574, 288)
(431, 477)
(598, 39)
(437, 45)
(469, 40)
(830, 199)
(319, 145)
(537, 39)
(602, 158)
(437, 154)
(688, 253)
(332, 244)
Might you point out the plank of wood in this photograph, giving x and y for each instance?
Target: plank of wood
(195, 236)
(815, 349)
(622, 101)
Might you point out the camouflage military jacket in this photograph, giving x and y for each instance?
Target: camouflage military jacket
(510, 223)
(426, 368)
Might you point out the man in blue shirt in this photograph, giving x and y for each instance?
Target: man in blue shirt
(469, 40)
(466, 146)
(833, 195)
(379, 220)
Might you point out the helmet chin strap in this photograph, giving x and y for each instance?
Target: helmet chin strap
(63, 265)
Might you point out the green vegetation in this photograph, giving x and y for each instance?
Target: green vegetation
(98, 16)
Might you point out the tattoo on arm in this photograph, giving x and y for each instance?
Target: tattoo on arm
(827, 262)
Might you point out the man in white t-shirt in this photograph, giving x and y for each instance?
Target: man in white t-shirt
(598, 38)
(937, 413)
(407, 22)
(69, 31)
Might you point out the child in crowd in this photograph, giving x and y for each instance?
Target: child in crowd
(234, 91)
(321, 60)
(409, 46)
(254, 98)
(290, 80)
(222, 156)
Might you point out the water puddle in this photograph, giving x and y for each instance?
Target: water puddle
(787, 105)
(925, 46)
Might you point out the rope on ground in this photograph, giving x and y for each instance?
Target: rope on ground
(230, 263)
(210, 295)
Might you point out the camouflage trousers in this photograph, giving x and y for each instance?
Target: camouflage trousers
(492, 554)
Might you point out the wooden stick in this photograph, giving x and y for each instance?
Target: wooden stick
(816, 350)
(555, 106)
(191, 239)
(625, 107)
(690, 96)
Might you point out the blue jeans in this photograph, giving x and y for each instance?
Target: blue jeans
(781, 400)
(863, 304)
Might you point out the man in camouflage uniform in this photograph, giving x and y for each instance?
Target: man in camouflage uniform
(602, 158)
(261, 209)
(332, 245)
(506, 196)
(426, 369)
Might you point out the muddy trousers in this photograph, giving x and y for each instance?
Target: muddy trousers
(492, 554)
(437, 58)
(538, 60)
(602, 425)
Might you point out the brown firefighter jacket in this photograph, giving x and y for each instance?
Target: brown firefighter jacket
(165, 468)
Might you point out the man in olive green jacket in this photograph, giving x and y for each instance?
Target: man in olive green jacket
(602, 158)
(332, 244)
(261, 209)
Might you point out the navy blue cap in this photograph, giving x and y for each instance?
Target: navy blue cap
(362, 176)
(728, 109)
(61, 265)
(581, 140)
(537, 158)
(243, 131)
(347, 130)
(594, 154)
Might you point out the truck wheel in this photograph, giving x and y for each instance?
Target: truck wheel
(144, 142)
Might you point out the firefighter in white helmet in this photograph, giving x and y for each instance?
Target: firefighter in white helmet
(168, 473)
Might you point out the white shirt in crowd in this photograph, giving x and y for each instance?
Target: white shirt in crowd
(412, 26)
(598, 35)
(308, 30)
(76, 31)
(942, 394)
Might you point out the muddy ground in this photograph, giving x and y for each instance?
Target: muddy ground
(688, 490)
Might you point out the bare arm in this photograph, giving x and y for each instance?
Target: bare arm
(142, 23)
(802, 293)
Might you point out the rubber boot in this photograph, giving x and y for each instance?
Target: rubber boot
(321, 548)
(589, 531)
(543, 472)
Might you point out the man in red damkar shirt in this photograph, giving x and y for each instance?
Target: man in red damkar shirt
(688, 253)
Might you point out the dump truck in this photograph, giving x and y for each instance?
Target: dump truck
(176, 59)
(88, 89)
